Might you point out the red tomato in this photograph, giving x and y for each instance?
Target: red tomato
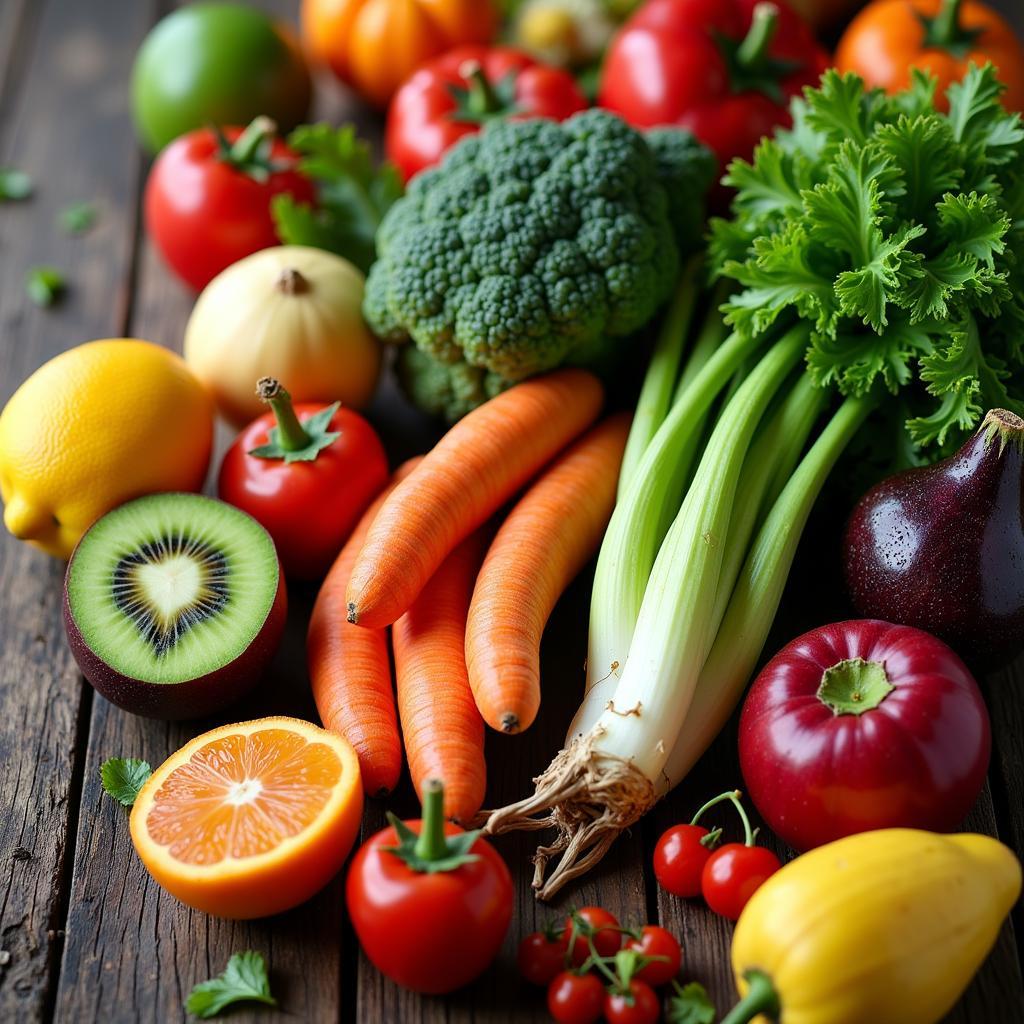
(679, 859)
(663, 945)
(911, 751)
(679, 62)
(432, 932)
(541, 957)
(575, 998)
(640, 1006)
(426, 117)
(309, 508)
(733, 874)
(207, 207)
(600, 926)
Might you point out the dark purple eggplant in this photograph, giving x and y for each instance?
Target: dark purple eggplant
(942, 547)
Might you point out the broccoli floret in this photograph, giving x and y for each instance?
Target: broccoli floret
(533, 244)
(447, 390)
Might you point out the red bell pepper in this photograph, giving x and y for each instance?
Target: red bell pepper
(724, 69)
(456, 93)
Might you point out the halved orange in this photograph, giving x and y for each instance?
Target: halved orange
(250, 819)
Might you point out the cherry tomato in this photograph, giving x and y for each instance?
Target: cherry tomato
(575, 998)
(601, 926)
(733, 874)
(541, 957)
(640, 1006)
(656, 942)
(207, 201)
(679, 859)
(430, 929)
(308, 507)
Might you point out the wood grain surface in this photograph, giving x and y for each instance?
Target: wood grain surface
(85, 935)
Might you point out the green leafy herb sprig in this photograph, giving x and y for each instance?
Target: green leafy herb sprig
(896, 232)
(244, 980)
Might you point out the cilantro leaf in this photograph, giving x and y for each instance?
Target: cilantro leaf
(244, 979)
(689, 1005)
(352, 194)
(123, 777)
(14, 184)
(77, 218)
(44, 285)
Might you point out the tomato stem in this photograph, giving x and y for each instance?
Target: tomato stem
(854, 686)
(761, 998)
(432, 843)
(753, 51)
(945, 28)
(481, 99)
(721, 798)
(292, 434)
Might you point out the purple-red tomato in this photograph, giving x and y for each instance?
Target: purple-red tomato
(863, 725)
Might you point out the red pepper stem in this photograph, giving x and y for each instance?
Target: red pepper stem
(246, 148)
(292, 434)
(761, 998)
(733, 794)
(945, 27)
(753, 51)
(431, 843)
(482, 98)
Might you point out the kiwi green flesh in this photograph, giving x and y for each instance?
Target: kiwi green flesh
(171, 587)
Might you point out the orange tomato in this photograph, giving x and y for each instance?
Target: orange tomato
(250, 819)
(889, 37)
(374, 45)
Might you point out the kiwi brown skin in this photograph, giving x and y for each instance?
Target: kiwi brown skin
(192, 698)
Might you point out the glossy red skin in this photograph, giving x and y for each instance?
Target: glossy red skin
(203, 214)
(733, 874)
(309, 508)
(679, 859)
(664, 68)
(606, 937)
(640, 1007)
(194, 698)
(431, 933)
(942, 547)
(420, 126)
(541, 959)
(575, 998)
(918, 760)
(657, 942)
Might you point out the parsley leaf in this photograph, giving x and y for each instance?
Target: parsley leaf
(77, 218)
(689, 1005)
(353, 194)
(14, 184)
(244, 979)
(123, 777)
(44, 285)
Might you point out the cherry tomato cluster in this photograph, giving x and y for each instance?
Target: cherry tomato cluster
(689, 862)
(594, 967)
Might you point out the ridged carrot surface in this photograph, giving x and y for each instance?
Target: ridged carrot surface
(471, 472)
(545, 541)
(349, 667)
(442, 729)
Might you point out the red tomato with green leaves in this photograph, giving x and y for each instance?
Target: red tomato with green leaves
(430, 903)
(664, 950)
(457, 93)
(575, 998)
(637, 1006)
(541, 956)
(207, 200)
(598, 925)
(306, 473)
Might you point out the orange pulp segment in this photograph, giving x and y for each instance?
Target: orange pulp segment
(250, 819)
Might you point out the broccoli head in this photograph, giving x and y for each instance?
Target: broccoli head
(531, 245)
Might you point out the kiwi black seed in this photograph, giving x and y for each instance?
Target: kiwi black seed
(173, 604)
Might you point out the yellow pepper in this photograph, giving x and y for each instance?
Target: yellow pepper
(884, 927)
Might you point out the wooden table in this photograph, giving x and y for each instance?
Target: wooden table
(85, 934)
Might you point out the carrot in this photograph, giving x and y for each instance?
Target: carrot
(349, 668)
(472, 471)
(547, 538)
(443, 731)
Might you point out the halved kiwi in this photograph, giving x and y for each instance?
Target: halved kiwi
(173, 604)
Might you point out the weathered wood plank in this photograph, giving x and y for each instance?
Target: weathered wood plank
(63, 122)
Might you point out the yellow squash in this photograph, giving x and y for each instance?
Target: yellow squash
(884, 927)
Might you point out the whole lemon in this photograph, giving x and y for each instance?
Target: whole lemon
(99, 424)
